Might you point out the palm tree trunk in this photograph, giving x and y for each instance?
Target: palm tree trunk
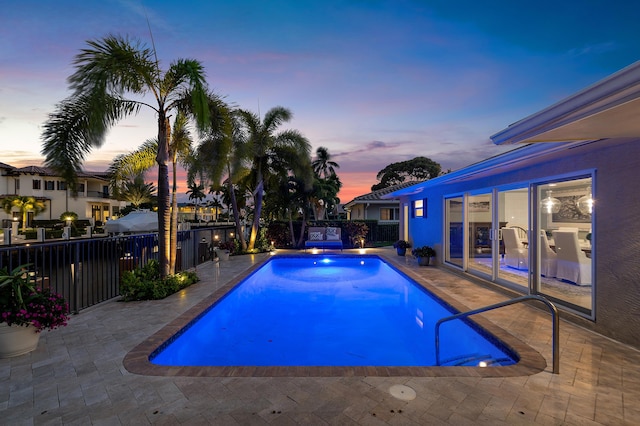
(236, 216)
(302, 228)
(164, 212)
(293, 235)
(257, 210)
(174, 222)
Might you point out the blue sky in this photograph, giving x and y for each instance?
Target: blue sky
(374, 81)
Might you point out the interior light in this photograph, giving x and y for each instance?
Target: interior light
(585, 203)
(550, 204)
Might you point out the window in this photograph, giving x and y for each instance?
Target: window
(37, 184)
(17, 181)
(420, 208)
(49, 185)
(80, 187)
(389, 213)
(62, 185)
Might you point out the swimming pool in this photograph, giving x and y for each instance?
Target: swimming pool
(329, 311)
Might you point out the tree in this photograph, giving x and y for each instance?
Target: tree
(266, 148)
(418, 169)
(196, 192)
(105, 72)
(138, 192)
(322, 165)
(223, 156)
(129, 166)
(326, 184)
(24, 204)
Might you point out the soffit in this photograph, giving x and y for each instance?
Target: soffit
(608, 109)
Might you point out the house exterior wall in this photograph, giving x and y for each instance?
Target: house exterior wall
(58, 200)
(371, 210)
(616, 228)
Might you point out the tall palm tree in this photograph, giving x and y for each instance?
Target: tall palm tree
(106, 71)
(267, 147)
(322, 165)
(225, 160)
(128, 166)
(24, 204)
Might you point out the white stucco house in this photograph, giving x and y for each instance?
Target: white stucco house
(92, 201)
(556, 216)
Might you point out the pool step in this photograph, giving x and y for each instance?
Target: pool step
(474, 360)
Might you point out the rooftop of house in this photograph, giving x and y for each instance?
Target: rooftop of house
(48, 171)
(378, 195)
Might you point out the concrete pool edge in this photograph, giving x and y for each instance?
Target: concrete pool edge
(137, 360)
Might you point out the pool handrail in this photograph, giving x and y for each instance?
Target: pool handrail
(554, 318)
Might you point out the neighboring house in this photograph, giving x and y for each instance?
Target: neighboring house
(92, 200)
(205, 213)
(570, 192)
(372, 206)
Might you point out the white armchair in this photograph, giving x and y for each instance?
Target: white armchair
(516, 254)
(573, 263)
(548, 257)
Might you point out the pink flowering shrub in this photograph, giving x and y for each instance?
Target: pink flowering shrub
(22, 304)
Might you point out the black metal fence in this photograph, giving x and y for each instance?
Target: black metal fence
(88, 271)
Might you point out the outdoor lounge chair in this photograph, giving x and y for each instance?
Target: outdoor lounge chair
(324, 238)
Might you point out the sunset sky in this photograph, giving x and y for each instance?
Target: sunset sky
(375, 82)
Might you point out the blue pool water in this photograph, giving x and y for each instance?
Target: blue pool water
(328, 311)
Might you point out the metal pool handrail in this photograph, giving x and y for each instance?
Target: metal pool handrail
(554, 318)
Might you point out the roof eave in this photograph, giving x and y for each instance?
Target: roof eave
(585, 115)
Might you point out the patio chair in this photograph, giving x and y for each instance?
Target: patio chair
(573, 264)
(516, 254)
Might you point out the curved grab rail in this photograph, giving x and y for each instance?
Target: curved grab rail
(554, 318)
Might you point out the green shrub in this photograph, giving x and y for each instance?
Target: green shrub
(145, 284)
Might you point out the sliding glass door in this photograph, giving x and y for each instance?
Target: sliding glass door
(513, 223)
(454, 231)
(480, 234)
(564, 214)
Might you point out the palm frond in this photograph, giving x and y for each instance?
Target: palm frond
(189, 73)
(78, 125)
(115, 65)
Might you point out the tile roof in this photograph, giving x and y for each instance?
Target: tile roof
(377, 195)
(47, 171)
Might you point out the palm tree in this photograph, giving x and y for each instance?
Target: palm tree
(224, 159)
(216, 205)
(106, 71)
(196, 192)
(138, 192)
(322, 165)
(267, 147)
(128, 166)
(24, 204)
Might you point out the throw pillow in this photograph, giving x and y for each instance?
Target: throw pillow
(332, 234)
(315, 236)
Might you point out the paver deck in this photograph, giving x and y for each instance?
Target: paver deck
(77, 375)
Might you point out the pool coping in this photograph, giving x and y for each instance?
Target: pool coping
(137, 360)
